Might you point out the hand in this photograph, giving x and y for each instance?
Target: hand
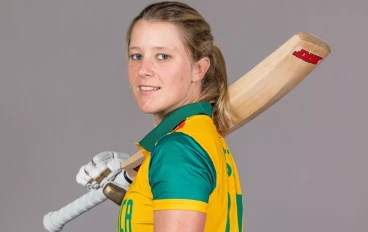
(103, 168)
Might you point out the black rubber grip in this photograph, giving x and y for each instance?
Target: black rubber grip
(127, 178)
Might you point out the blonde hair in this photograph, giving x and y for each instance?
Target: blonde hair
(199, 41)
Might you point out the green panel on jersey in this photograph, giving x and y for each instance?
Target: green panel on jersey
(181, 169)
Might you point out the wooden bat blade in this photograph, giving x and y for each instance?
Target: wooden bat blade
(275, 76)
(266, 83)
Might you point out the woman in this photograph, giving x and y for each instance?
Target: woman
(189, 180)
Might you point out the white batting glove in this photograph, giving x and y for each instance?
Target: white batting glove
(104, 167)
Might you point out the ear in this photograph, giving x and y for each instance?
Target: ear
(200, 69)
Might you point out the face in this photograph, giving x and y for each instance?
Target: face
(159, 69)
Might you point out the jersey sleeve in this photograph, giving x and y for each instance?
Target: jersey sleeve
(181, 174)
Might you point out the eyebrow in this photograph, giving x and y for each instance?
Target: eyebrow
(156, 47)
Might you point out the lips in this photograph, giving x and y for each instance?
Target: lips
(149, 88)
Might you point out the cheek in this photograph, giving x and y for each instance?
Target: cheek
(131, 72)
(178, 89)
(179, 78)
(175, 84)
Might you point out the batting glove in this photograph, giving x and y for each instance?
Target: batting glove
(104, 167)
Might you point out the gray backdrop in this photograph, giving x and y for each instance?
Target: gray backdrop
(64, 97)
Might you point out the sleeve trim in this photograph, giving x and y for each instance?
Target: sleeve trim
(180, 205)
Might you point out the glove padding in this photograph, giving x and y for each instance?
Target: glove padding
(103, 168)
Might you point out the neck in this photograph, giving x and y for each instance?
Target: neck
(157, 119)
(191, 98)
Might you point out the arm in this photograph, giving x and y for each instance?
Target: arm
(179, 221)
(182, 178)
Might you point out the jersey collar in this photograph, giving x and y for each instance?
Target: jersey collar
(171, 121)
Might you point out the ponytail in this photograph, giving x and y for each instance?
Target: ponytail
(215, 91)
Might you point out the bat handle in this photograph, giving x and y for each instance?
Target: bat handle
(55, 221)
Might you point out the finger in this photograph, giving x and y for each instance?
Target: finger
(113, 165)
(89, 167)
(94, 171)
(102, 157)
(98, 171)
(121, 156)
(94, 185)
(82, 178)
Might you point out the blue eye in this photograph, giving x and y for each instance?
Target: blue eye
(136, 57)
(163, 56)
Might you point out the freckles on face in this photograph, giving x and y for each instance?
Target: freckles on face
(159, 69)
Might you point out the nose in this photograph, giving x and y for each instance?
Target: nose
(145, 68)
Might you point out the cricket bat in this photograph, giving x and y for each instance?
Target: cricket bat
(250, 95)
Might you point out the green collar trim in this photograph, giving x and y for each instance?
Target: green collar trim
(172, 120)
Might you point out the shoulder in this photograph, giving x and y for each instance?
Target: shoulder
(198, 123)
(177, 138)
(180, 168)
(197, 132)
(190, 132)
(179, 146)
(178, 154)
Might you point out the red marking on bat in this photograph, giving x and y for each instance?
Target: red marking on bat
(181, 125)
(307, 56)
(137, 168)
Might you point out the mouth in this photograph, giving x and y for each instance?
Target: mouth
(148, 90)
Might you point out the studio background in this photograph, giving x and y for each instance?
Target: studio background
(64, 97)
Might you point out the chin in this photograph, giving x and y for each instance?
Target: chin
(149, 109)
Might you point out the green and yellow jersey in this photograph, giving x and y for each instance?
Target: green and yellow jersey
(188, 166)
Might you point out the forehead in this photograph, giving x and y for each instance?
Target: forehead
(146, 34)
